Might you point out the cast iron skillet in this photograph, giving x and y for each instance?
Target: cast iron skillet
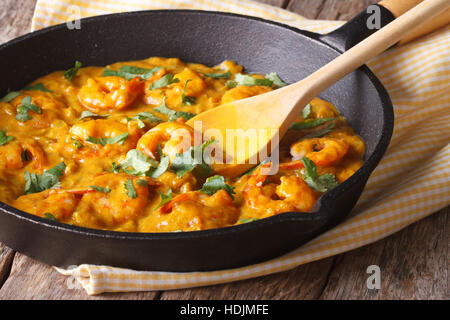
(208, 38)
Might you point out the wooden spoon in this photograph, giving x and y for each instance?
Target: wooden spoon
(276, 110)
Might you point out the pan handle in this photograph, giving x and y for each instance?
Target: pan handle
(377, 16)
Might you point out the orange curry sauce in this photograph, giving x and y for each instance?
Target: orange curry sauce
(97, 147)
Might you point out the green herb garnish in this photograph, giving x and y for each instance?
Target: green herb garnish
(247, 80)
(88, 114)
(249, 172)
(131, 192)
(24, 155)
(321, 183)
(224, 75)
(247, 220)
(77, 143)
(147, 116)
(168, 79)
(216, 183)
(165, 198)
(307, 124)
(101, 189)
(39, 182)
(186, 100)
(4, 138)
(49, 216)
(273, 76)
(38, 86)
(72, 72)
(306, 111)
(321, 132)
(142, 182)
(10, 96)
(173, 115)
(115, 167)
(23, 110)
(188, 161)
(130, 72)
(119, 139)
(164, 163)
(140, 163)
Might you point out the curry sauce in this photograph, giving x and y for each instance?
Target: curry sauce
(99, 147)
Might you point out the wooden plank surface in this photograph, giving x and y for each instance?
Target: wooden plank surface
(413, 262)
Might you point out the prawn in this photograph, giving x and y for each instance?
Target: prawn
(322, 151)
(292, 194)
(110, 93)
(197, 211)
(120, 199)
(194, 83)
(93, 131)
(173, 137)
(16, 154)
(50, 109)
(59, 203)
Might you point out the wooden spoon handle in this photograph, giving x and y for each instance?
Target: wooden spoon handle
(367, 49)
(399, 7)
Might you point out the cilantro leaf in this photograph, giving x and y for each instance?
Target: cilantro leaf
(40, 182)
(247, 220)
(101, 189)
(249, 172)
(321, 183)
(115, 167)
(165, 198)
(139, 161)
(168, 79)
(24, 155)
(162, 167)
(307, 124)
(306, 111)
(72, 72)
(24, 108)
(131, 192)
(147, 116)
(162, 108)
(321, 132)
(187, 161)
(173, 115)
(89, 114)
(77, 143)
(247, 80)
(119, 139)
(224, 75)
(38, 86)
(10, 96)
(273, 76)
(49, 216)
(216, 183)
(186, 100)
(130, 72)
(4, 138)
(142, 182)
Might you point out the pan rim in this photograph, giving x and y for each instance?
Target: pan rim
(323, 203)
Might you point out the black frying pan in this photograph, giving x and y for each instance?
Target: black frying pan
(208, 38)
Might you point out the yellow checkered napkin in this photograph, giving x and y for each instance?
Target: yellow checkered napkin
(411, 182)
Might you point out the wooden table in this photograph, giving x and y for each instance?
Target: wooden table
(413, 262)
